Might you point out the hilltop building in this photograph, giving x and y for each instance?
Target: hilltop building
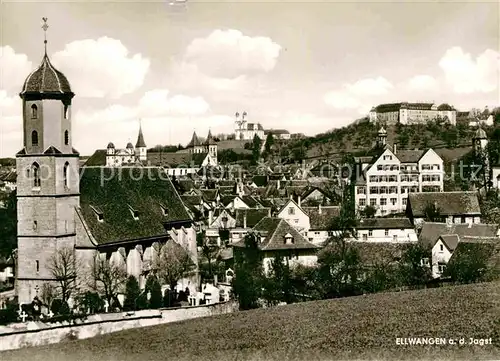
(129, 155)
(246, 131)
(119, 215)
(412, 113)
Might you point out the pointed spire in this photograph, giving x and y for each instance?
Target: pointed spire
(210, 139)
(45, 26)
(194, 140)
(140, 138)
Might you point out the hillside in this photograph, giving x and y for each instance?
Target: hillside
(361, 136)
(348, 328)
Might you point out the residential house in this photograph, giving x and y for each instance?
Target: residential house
(316, 196)
(292, 212)
(454, 207)
(385, 230)
(320, 219)
(246, 219)
(278, 133)
(277, 236)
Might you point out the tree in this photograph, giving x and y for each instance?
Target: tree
(412, 271)
(132, 293)
(368, 212)
(256, 145)
(469, 263)
(173, 263)
(432, 213)
(269, 143)
(209, 252)
(8, 226)
(278, 283)
(248, 280)
(153, 290)
(48, 294)
(64, 266)
(107, 278)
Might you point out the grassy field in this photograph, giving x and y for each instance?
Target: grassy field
(363, 327)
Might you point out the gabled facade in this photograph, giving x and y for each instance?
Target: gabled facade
(295, 216)
(395, 174)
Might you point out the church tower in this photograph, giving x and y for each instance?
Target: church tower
(211, 146)
(382, 137)
(140, 146)
(47, 177)
(480, 146)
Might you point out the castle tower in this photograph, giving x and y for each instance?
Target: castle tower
(47, 177)
(211, 145)
(140, 146)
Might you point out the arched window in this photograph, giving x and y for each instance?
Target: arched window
(36, 175)
(66, 137)
(34, 138)
(66, 175)
(34, 111)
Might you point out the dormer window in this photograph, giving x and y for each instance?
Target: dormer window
(98, 212)
(34, 111)
(288, 238)
(164, 210)
(135, 213)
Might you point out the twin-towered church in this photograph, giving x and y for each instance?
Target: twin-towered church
(111, 212)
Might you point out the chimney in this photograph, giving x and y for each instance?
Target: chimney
(210, 217)
(319, 208)
(298, 200)
(394, 148)
(245, 220)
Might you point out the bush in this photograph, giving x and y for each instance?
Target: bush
(132, 293)
(154, 288)
(9, 314)
(59, 307)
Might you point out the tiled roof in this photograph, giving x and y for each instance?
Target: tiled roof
(450, 240)
(384, 223)
(254, 215)
(185, 184)
(226, 190)
(250, 201)
(98, 159)
(449, 203)
(227, 183)
(379, 253)
(431, 231)
(175, 160)
(409, 156)
(274, 230)
(116, 190)
(195, 141)
(320, 218)
(209, 195)
(259, 180)
(210, 139)
(490, 250)
(46, 80)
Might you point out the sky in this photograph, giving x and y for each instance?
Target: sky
(178, 67)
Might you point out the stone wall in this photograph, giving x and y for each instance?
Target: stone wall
(37, 333)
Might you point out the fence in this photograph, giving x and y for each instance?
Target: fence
(37, 333)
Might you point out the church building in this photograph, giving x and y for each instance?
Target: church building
(120, 214)
(129, 155)
(246, 131)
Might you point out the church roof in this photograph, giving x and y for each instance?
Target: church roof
(129, 145)
(210, 140)
(117, 192)
(195, 141)
(96, 159)
(140, 140)
(46, 81)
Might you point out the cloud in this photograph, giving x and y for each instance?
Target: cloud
(422, 83)
(341, 100)
(370, 87)
(226, 61)
(359, 95)
(230, 54)
(101, 68)
(14, 68)
(157, 103)
(468, 75)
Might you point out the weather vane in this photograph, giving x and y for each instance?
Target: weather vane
(45, 26)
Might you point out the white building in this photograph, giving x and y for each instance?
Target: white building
(246, 131)
(388, 180)
(385, 230)
(128, 156)
(412, 113)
